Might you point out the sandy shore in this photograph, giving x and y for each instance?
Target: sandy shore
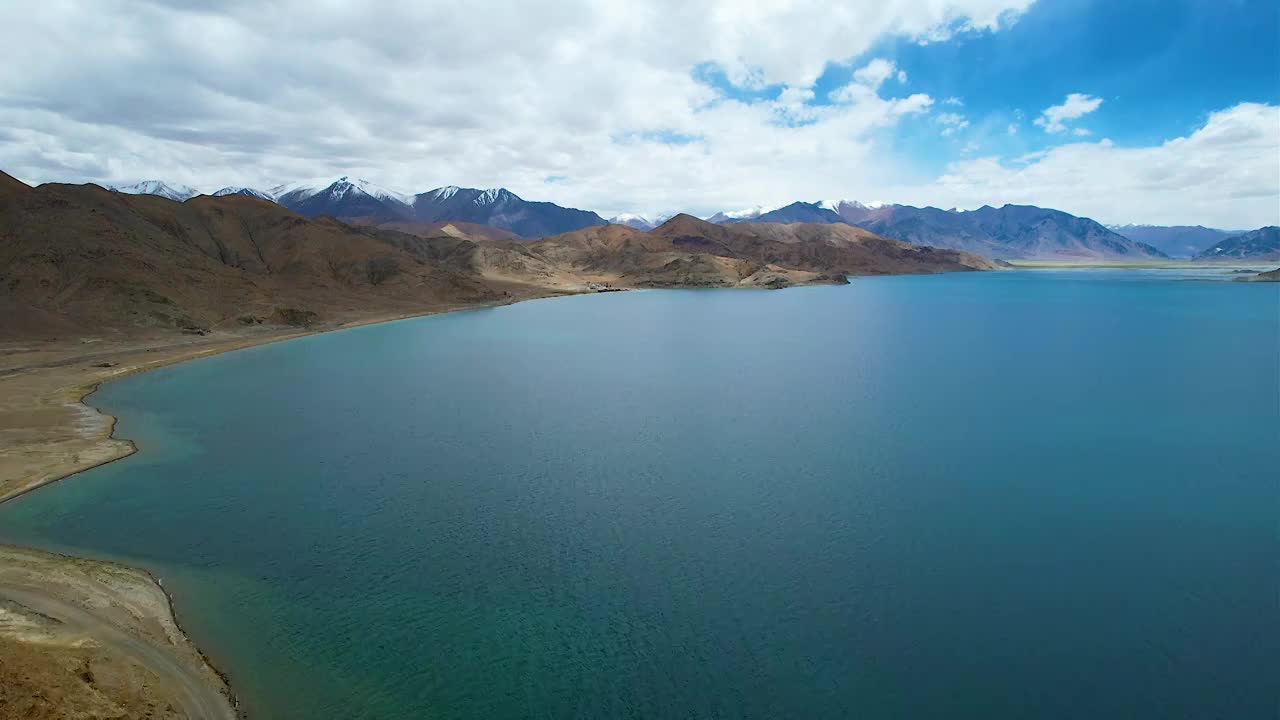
(81, 638)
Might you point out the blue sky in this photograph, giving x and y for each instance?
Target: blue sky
(1159, 66)
(1149, 111)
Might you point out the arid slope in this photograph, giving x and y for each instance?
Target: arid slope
(81, 259)
(84, 259)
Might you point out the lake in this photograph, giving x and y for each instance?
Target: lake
(1045, 493)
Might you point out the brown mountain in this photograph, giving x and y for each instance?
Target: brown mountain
(81, 259)
(688, 252)
(443, 228)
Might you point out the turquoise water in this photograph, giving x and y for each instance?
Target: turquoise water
(1001, 495)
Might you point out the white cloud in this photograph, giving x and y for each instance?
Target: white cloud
(1081, 132)
(1077, 105)
(953, 122)
(874, 73)
(953, 101)
(1013, 129)
(1225, 174)
(418, 95)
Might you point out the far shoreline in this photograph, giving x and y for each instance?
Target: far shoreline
(1170, 264)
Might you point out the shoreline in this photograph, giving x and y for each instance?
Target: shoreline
(1171, 264)
(195, 351)
(92, 433)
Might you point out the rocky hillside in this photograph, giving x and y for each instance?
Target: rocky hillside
(81, 258)
(1176, 241)
(1260, 244)
(686, 251)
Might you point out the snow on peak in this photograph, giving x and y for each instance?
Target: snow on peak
(338, 188)
(834, 205)
(492, 195)
(754, 211)
(158, 187)
(345, 184)
(251, 192)
(633, 220)
(444, 193)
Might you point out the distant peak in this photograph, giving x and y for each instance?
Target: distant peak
(835, 205)
(247, 191)
(683, 219)
(158, 187)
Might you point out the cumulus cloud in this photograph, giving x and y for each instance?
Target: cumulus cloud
(417, 95)
(600, 104)
(1224, 174)
(1054, 119)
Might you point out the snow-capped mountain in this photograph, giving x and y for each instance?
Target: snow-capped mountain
(744, 215)
(800, 212)
(246, 191)
(500, 208)
(797, 212)
(638, 222)
(344, 197)
(337, 189)
(158, 187)
(854, 211)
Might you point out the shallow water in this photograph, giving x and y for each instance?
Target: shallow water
(1045, 493)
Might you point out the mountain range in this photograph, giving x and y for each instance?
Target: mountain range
(638, 222)
(1012, 232)
(161, 188)
(351, 198)
(1176, 241)
(80, 260)
(1009, 232)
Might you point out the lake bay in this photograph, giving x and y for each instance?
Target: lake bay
(1045, 493)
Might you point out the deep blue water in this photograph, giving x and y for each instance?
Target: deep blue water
(999, 495)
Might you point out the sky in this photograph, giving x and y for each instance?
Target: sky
(1142, 111)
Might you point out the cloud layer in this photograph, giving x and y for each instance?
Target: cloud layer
(590, 103)
(1225, 174)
